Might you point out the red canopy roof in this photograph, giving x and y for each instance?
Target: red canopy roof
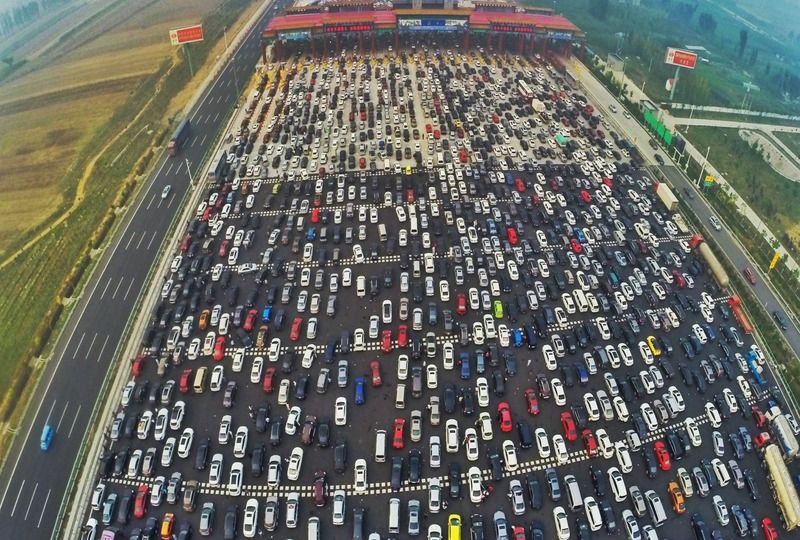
(550, 22)
(312, 21)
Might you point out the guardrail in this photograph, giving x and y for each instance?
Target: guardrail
(148, 294)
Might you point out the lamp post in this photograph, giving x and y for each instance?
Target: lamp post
(703, 167)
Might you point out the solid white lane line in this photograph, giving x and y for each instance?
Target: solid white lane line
(44, 507)
(89, 352)
(63, 412)
(100, 355)
(141, 239)
(107, 284)
(150, 243)
(30, 503)
(127, 292)
(79, 346)
(113, 296)
(16, 501)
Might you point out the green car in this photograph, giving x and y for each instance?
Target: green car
(498, 309)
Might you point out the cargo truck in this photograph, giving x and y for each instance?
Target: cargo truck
(784, 436)
(679, 222)
(178, 137)
(666, 196)
(720, 275)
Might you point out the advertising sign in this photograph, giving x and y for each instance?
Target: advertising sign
(189, 34)
(559, 36)
(295, 36)
(432, 25)
(677, 57)
(349, 27)
(512, 28)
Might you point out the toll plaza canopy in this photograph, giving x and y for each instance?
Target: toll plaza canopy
(319, 23)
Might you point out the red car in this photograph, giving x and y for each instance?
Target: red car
(504, 417)
(590, 443)
(137, 365)
(269, 380)
(397, 440)
(294, 335)
(662, 455)
(386, 341)
(518, 533)
(410, 196)
(185, 381)
(362, 163)
(250, 320)
(461, 303)
(520, 185)
(758, 416)
(770, 533)
(750, 275)
(140, 503)
(402, 336)
(223, 248)
(375, 366)
(219, 348)
(512, 236)
(532, 401)
(315, 215)
(570, 432)
(462, 156)
(576, 246)
(585, 196)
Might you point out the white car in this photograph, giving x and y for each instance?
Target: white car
(339, 507)
(250, 518)
(295, 463)
(240, 442)
(560, 447)
(448, 356)
(471, 444)
(235, 479)
(451, 436)
(561, 523)
(557, 387)
(402, 367)
(510, 456)
(617, 483)
(592, 408)
(360, 470)
(693, 431)
(292, 510)
(604, 443)
(435, 451)
(623, 456)
(185, 442)
(713, 415)
(482, 391)
(542, 443)
(432, 379)
(434, 495)
(621, 408)
(293, 420)
(475, 485)
(484, 422)
(274, 468)
(340, 411)
(255, 370)
(678, 397)
(283, 391)
(549, 357)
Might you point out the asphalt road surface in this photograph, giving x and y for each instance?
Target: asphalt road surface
(33, 481)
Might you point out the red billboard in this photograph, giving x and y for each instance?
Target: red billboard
(677, 57)
(188, 34)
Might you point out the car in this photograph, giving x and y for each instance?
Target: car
(340, 411)
(295, 463)
(516, 497)
(504, 417)
(398, 441)
(360, 471)
(568, 424)
(561, 523)
(662, 455)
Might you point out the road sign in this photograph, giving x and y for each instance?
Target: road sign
(677, 57)
(188, 34)
(709, 180)
(775, 259)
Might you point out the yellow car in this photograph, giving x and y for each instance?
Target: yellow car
(653, 344)
(408, 170)
(454, 527)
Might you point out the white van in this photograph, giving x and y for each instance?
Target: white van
(382, 232)
(361, 286)
(416, 268)
(721, 472)
(394, 515)
(580, 300)
(380, 446)
(400, 397)
(413, 228)
(313, 528)
(656, 508)
(573, 493)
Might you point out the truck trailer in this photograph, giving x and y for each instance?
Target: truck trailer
(178, 137)
(720, 275)
(666, 196)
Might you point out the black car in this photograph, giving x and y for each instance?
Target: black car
(599, 481)
(495, 464)
(201, 454)
(257, 460)
(414, 465)
(230, 523)
(449, 399)
(324, 432)
(340, 456)
(454, 474)
(276, 431)
(534, 488)
(553, 485)
(397, 473)
(750, 481)
(609, 517)
(649, 459)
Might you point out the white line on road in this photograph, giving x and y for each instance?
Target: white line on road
(150, 243)
(118, 286)
(141, 239)
(79, 346)
(216, 116)
(153, 198)
(19, 492)
(47, 420)
(44, 507)
(219, 98)
(63, 412)
(203, 140)
(89, 352)
(124, 298)
(74, 419)
(169, 169)
(100, 354)
(169, 204)
(106, 287)
(30, 503)
(129, 241)
(194, 139)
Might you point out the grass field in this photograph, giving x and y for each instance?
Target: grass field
(771, 195)
(55, 108)
(792, 140)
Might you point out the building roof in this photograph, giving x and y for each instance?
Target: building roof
(316, 21)
(484, 19)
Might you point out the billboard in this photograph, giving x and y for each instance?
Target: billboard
(512, 28)
(677, 57)
(347, 27)
(188, 34)
(295, 36)
(432, 25)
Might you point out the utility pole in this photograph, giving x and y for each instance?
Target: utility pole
(703, 167)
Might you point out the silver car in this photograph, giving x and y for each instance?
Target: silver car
(516, 496)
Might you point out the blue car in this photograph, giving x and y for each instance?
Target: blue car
(311, 233)
(360, 382)
(480, 362)
(47, 437)
(709, 330)
(266, 314)
(583, 375)
(464, 361)
(517, 336)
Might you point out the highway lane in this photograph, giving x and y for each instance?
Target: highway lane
(35, 481)
(630, 128)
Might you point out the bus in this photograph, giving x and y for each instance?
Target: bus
(780, 481)
(47, 437)
(524, 90)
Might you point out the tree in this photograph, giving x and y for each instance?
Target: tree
(707, 22)
(753, 56)
(598, 8)
(742, 41)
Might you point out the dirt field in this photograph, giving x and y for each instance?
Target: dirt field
(55, 104)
